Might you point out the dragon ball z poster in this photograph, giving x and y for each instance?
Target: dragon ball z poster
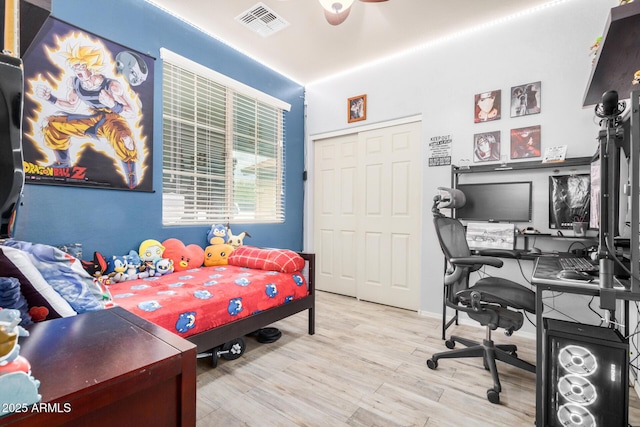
(88, 111)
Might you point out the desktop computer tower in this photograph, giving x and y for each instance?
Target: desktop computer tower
(586, 376)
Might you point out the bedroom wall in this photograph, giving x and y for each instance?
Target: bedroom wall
(113, 221)
(439, 82)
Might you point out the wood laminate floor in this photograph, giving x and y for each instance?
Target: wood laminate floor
(365, 366)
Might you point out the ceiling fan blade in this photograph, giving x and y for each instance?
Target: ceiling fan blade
(338, 18)
(373, 1)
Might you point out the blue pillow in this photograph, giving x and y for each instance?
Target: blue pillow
(12, 298)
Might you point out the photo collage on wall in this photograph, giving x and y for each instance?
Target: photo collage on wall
(525, 142)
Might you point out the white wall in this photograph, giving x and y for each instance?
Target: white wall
(439, 82)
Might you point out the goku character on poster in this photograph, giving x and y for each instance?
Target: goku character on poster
(88, 108)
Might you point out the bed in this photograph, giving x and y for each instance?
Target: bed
(243, 297)
(211, 306)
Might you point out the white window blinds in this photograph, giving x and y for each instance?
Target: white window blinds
(223, 148)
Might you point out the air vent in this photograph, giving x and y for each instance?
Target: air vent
(262, 20)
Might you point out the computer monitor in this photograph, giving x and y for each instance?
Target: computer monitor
(569, 200)
(485, 235)
(496, 202)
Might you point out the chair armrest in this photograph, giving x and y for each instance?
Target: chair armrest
(477, 261)
(500, 253)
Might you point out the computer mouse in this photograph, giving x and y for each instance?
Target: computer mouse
(574, 275)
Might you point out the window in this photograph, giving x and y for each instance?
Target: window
(223, 148)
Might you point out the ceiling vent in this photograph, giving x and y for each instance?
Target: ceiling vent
(262, 20)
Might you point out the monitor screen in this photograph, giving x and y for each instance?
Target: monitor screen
(496, 202)
(485, 235)
(569, 200)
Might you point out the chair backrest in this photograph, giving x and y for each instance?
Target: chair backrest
(453, 242)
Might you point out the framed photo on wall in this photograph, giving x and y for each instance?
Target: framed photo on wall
(525, 142)
(357, 108)
(486, 146)
(487, 106)
(525, 99)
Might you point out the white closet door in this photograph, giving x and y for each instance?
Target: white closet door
(335, 210)
(367, 199)
(390, 221)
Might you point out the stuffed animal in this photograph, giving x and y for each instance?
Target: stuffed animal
(162, 266)
(98, 267)
(217, 235)
(120, 266)
(150, 250)
(217, 255)
(236, 241)
(183, 257)
(9, 333)
(18, 389)
(134, 264)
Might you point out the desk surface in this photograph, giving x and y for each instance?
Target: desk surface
(545, 278)
(547, 267)
(111, 368)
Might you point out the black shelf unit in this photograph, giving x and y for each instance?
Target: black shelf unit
(503, 167)
(518, 166)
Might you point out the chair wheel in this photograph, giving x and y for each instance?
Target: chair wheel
(432, 364)
(450, 344)
(493, 396)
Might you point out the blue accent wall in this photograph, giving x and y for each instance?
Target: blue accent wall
(115, 221)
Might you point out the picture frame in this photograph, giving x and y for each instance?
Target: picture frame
(525, 99)
(357, 108)
(486, 146)
(525, 142)
(487, 106)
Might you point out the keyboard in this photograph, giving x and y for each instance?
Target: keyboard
(578, 264)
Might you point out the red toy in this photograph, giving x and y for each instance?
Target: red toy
(183, 257)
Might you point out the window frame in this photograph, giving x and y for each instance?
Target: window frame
(181, 204)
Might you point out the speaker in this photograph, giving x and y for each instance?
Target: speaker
(11, 166)
(586, 376)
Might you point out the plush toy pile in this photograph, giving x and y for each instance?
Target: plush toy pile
(77, 286)
(154, 258)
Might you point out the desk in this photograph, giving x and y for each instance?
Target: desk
(110, 368)
(544, 279)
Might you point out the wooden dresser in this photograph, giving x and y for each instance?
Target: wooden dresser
(109, 368)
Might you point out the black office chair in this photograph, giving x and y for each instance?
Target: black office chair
(492, 301)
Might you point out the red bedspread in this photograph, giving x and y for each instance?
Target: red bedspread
(193, 301)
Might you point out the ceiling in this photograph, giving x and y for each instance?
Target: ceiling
(310, 49)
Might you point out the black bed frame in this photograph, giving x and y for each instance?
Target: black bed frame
(213, 338)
